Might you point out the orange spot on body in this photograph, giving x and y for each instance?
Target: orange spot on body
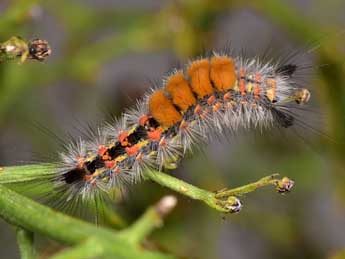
(216, 107)
(162, 109)
(143, 120)
(80, 162)
(199, 73)
(122, 138)
(223, 73)
(271, 89)
(101, 150)
(183, 124)
(242, 84)
(106, 157)
(178, 87)
(198, 110)
(257, 86)
(162, 142)
(139, 157)
(131, 151)
(109, 163)
(155, 135)
(88, 177)
(227, 96)
(242, 72)
(211, 100)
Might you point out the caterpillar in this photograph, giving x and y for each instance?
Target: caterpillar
(215, 95)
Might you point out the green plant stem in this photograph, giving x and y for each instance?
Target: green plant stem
(143, 226)
(25, 173)
(221, 200)
(90, 249)
(25, 240)
(185, 189)
(113, 219)
(265, 181)
(23, 212)
(151, 219)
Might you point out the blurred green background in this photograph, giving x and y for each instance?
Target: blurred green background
(107, 53)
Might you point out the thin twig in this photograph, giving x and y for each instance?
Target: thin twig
(151, 219)
(224, 200)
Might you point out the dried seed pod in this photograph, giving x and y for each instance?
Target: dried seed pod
(17, 47)
(39, 49)
(302, 96)
(284, 185)
(233, 204)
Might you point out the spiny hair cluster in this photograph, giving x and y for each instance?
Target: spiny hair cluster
(212, 96)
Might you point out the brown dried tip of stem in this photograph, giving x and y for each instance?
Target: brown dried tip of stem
(165, 205)
(284, 185)
(235, 205)
(39, 49)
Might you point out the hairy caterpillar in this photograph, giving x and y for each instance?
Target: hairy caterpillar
(216, 95)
